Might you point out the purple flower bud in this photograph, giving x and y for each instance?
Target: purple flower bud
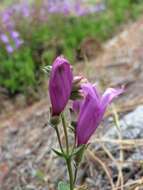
(92, 110)
(4, 38)
(60, 85)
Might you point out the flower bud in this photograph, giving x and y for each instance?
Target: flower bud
(77, 82)
(60, 85)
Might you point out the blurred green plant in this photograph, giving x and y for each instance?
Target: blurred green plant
(17, 72)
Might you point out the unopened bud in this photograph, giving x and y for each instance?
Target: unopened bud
(76, 87)
(76, 95)
(77, 82)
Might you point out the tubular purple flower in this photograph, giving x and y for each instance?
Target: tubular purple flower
(60, 85)
(92, 111)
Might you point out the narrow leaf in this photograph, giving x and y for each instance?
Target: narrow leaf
(58, 153)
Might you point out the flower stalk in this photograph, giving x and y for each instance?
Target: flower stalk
(69, 167)
(88, 107)
(68, 156)
(65, 133)
(58, 137)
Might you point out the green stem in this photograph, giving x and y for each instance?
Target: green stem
(58, 136)
(68, 159)
(69, 166)
(65, 132)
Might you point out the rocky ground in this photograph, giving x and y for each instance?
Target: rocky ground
(114, 159)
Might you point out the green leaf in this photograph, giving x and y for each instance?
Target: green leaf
(63, 186)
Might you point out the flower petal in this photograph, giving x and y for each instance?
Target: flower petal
(88, 121)
(77, 105)
(108, 96)
(89, 88)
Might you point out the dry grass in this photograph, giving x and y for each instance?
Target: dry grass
(123, 145)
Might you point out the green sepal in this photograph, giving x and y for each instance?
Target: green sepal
(78, 150)
(63, 186)
(54, 121)
(47, 69)
(78, 153)
(72, 128)
(58, 153)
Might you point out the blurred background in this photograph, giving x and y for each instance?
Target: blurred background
(33, 33)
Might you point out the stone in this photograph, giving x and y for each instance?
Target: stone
(131, 126)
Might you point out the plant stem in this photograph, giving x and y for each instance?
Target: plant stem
(69, 166)
(58, 136)
(65, 132)
(68, 159)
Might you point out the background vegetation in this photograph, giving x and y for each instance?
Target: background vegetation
(20, 71)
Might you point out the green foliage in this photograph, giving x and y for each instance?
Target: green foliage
(17, 71)
(60, 35)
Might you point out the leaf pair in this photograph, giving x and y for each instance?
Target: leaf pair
(78, 152)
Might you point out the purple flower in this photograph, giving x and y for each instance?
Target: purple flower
(9, 48)
(92, 110)
(25, 10)
(79, 9)
(14, 34)
(60, 85)
(6, 15)
(99, 7)
(18, 42)
(4, 38)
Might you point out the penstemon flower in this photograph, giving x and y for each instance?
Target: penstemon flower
(92, 110)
